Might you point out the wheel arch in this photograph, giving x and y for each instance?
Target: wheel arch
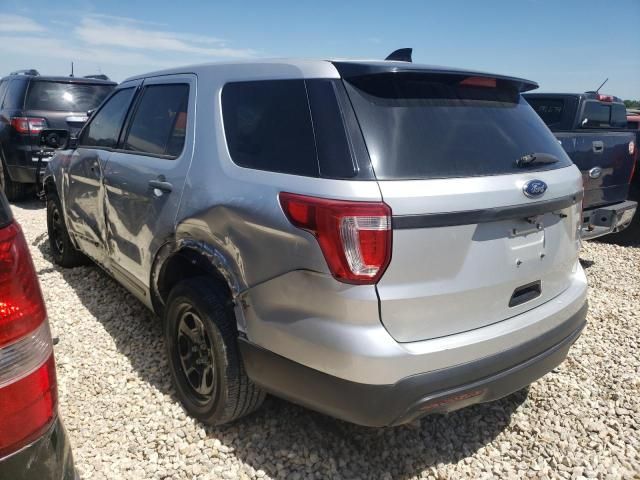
(187, 258)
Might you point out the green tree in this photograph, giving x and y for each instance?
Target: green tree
(632, 103)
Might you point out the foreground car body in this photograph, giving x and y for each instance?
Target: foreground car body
(370, 239)
(33, 443)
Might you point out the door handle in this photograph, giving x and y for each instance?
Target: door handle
(161, 185)
(598, 146)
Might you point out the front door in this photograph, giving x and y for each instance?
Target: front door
(145, 176)
(84, 205)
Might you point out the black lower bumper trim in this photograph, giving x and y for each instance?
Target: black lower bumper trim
(49, 457)
(439, 391)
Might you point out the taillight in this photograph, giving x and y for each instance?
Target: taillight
(28, 125)
(605, 98)
(355, 237)
(28, 393)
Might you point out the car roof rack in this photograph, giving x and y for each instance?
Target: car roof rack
(99, 76)
(29, 71)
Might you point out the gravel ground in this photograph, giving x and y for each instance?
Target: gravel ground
(116, 399)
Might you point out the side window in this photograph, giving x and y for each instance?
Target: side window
(3, 89)
(268, 126)
(160, 120)
(14, 99)
(334, 154)
(104, 127)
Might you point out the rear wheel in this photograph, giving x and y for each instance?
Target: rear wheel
(204, 358)
(62, 249)
(13, 190)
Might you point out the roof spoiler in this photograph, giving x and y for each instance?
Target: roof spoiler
(401, 55)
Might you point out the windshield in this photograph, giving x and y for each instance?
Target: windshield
(65, 97)
(420, 125)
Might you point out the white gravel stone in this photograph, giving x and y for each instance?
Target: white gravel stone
(118, 405)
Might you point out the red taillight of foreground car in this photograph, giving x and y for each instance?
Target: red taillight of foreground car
(28, 392)
(355, 237)
(28, 125)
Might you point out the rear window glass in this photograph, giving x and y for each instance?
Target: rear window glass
(549, 109)
(14, 98)
(420, 126)
(595, 115)
(65, 97)
(159, 123)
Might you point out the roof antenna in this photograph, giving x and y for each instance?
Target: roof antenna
(401, 55)
(602, 85)
(71, 70)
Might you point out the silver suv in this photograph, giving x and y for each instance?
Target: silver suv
(374, 240)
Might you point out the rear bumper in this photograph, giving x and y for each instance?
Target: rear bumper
(600, 221)
(49, 457)
(438, 391)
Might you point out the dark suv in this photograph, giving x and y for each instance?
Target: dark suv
(30, 103)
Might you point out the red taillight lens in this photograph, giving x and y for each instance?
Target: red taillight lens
(21, 305)
(27, 378)
(355, 237)
(605, 98)
(28, 125)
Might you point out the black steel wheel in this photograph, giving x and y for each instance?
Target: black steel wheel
(205, 362)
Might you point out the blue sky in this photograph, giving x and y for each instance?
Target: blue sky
(565, 45)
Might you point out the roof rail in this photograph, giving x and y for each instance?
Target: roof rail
(29, 71)
(100, 76)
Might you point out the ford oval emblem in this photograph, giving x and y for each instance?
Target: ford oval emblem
(534, 188)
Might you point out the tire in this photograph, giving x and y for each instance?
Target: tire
(221, 392)
(13, 190)
(63, 251)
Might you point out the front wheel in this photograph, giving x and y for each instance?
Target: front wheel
(62, 249)
(204, 357)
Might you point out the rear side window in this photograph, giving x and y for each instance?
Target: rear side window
(3, 88)
(104, 127)
(160, 120)
(549, 109)
(268, 126)
(420, 125)
(65, 96)
(14, 99)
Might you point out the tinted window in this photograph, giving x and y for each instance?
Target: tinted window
(618, 116)
(159, 123)
(334, 154)
(549, 109)
(65, 97)
(595, 115)
(3, 88)
(435, 126)
(268, 126)
(104, 127)
(14, 98)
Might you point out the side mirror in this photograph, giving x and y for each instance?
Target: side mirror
(54, 138)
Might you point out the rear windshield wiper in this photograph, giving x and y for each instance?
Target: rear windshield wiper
(535, 159)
